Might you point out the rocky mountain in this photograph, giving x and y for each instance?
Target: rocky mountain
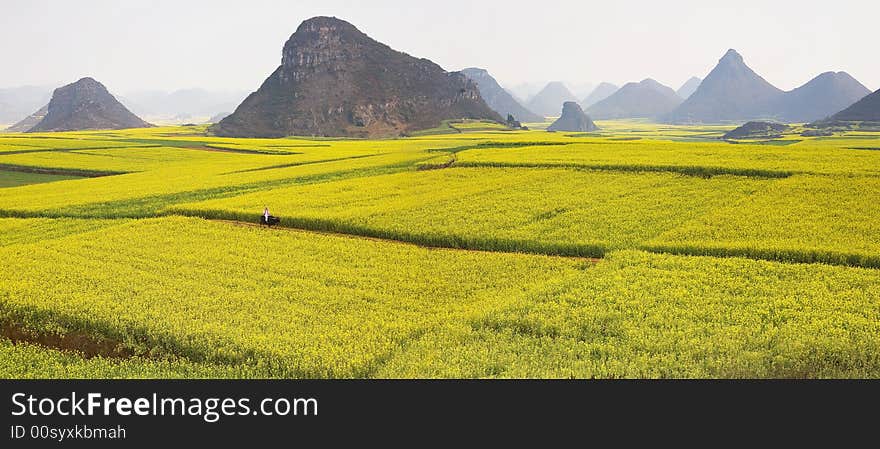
(573, 119)
(17, 102)
(601, 92)
(499, 99)
(688, 88)
(29, 121)
(731, 91)
(549, 100)
(865, 110)
(646, 99)
(335, 80)
(86, 104)
(822, 96)
(757, 130)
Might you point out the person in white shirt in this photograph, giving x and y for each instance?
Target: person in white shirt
(266, 214)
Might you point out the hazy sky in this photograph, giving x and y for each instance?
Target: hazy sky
(219, 44)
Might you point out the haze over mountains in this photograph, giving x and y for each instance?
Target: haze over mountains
(30, 121)
(183, 104)
(865, 110)
(601, 92)
(734, 92)
(689, 87)
(500, 100)
(645, 99)
(85, 105)
(335, 80)
(16, 103)
(550, 99)
(821, 96)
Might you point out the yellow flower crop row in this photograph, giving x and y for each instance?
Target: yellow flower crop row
(800, 219)
(565, 212)
(287, 304)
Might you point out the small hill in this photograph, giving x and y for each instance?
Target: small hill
(688, 88)
(334, 80)
(601, 92)
(865, 110)
(731, 91)
(573, 119)
(647, 98)
(550, 99)
(86, 104)
(499, 99)
(757, 130)
(822, 96)
(29, 122)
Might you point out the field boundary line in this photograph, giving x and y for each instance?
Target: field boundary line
(391, 240)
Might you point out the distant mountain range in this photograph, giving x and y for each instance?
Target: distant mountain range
(734, 92)
(499, 99)
(548, 102)
(183, 103)
(688, 88)
(601, 92)
(865, 110)
(647, 99)
(821, 96)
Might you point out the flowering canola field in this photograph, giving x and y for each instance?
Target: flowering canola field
(638, 251)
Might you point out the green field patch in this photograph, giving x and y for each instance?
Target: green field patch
(19, 178)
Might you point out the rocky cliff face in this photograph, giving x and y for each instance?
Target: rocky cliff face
(86, 104)
(573, 119)
(336, 81)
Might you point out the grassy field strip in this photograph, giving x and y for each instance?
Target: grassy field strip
(17, 178)
(268, 305)
(543, 211)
